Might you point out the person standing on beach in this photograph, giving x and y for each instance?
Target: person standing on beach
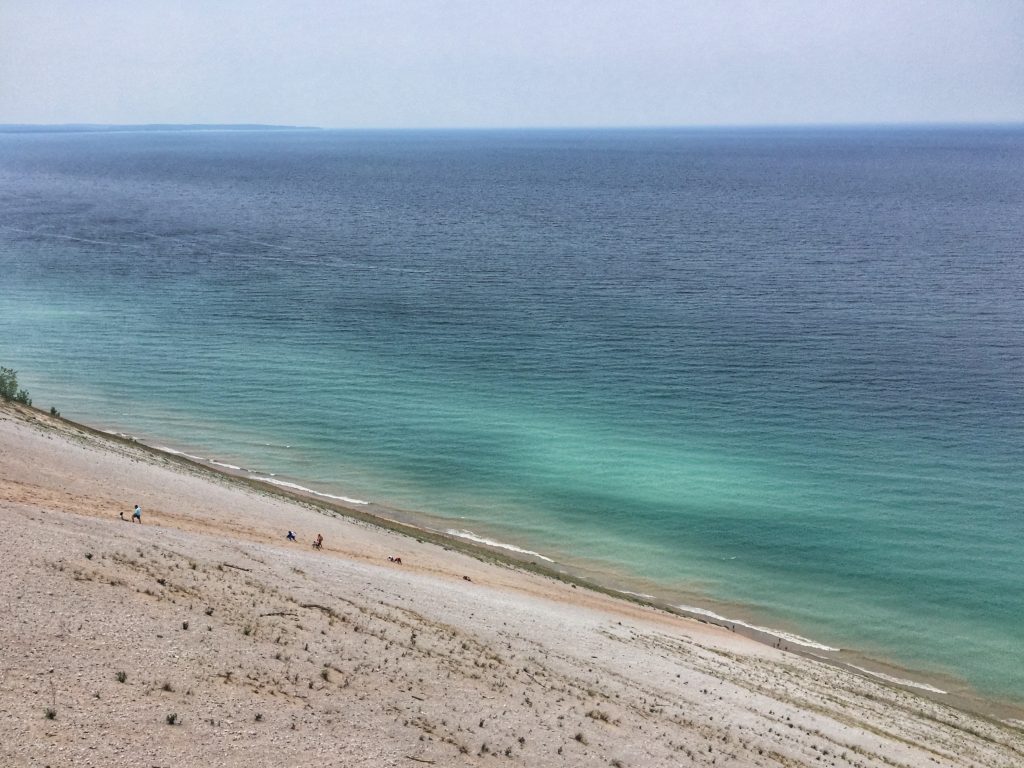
(137, 514)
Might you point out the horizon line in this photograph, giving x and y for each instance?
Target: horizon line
(255, 127)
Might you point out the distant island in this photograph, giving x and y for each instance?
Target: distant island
(97, 128)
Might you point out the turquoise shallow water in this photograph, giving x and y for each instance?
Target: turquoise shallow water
(776, 370)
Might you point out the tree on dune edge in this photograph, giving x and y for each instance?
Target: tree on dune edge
(9, 387)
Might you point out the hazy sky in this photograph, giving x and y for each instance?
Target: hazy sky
(465, 63)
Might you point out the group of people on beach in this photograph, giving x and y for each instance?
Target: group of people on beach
(318, 542)
(136, 516)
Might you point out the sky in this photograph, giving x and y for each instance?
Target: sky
(501, 63)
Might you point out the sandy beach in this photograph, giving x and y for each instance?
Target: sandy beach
(204, 637)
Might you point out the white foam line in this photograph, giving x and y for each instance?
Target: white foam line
(165, 449)
(491, 543)
(304, 489)
(214, 462)
(898, 680)
(786, 636)
(115, 433)
(222, 464)
(641, 595)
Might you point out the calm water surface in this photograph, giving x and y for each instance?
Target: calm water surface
(778, 372)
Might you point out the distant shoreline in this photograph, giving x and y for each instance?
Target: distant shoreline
(148, 127)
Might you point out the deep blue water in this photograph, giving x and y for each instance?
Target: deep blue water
(777, 373)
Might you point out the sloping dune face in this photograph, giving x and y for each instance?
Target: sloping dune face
(204, 637)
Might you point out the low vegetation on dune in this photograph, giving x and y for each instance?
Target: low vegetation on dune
(9, 389)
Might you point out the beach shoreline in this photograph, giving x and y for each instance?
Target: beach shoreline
(601, 577)
(594, 577)
(213, 617)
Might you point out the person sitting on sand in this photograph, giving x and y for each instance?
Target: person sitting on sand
(319, 543)
(291, 535)
(137, 514)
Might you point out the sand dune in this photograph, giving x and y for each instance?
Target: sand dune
(202, 637)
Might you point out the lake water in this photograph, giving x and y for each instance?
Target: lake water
(774, 373)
